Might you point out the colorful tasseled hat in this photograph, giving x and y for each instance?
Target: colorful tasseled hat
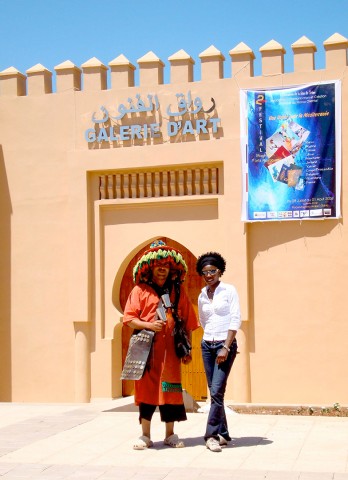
(159, 251)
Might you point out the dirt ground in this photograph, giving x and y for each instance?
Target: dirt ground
(335, 410)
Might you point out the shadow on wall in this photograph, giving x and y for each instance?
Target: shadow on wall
(262, 238)
(5, 282)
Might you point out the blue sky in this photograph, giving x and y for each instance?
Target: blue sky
(52, 31)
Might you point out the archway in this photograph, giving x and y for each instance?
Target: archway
(193, 376)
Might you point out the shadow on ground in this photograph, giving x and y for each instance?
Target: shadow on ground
(124, 408)
(235, 442)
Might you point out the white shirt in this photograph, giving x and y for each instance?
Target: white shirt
(221, 314)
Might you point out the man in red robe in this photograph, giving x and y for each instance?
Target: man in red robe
(161, 270)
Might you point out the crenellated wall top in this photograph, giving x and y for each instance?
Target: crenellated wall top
(119, 73)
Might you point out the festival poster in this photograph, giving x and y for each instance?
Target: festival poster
(291, 152)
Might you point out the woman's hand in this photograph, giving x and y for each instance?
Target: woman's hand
(222, 355)
(187, 359)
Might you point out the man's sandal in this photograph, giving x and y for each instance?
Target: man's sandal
(173, 441)
(142, 443)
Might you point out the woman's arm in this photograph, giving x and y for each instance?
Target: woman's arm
(225, 350)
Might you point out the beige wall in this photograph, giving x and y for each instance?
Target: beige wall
(64, 250)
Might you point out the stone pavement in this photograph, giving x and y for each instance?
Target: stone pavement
(94, 441)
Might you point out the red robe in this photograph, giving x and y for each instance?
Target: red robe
(161, 383)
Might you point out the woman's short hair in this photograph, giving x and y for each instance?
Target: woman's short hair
(211, 258)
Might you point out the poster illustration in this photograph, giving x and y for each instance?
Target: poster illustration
(291, 152)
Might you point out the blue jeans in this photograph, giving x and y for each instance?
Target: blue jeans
(217, 376)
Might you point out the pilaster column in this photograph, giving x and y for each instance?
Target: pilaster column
(241, 388)
(82, 362)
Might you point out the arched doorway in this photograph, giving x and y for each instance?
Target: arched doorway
(193, 376)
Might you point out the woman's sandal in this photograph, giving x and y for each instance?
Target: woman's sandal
(142, 443)
(173, 441)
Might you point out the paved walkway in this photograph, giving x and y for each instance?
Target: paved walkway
(94, 441)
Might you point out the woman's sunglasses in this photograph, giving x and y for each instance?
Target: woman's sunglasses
(205, 273)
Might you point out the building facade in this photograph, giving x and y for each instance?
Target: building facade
(95, 170)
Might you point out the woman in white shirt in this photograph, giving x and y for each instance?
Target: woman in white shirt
(219, 315)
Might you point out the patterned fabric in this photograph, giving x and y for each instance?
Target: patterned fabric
(171, 387)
